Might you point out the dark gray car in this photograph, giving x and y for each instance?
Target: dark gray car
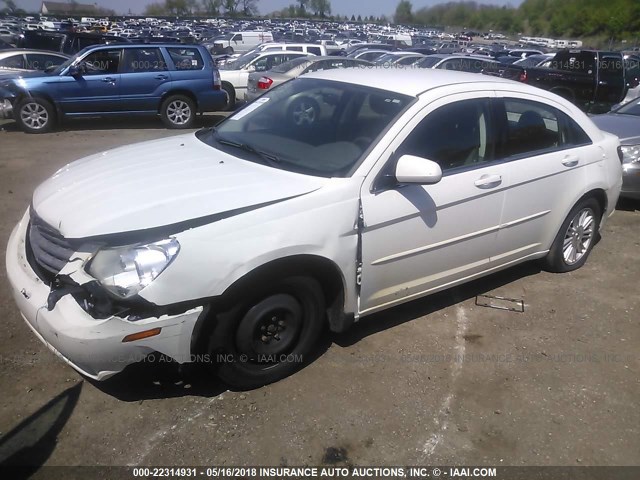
(624, 122)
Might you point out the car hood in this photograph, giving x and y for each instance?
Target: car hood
(174, 181)
(626, 127)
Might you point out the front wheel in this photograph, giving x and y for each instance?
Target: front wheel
(35, 115)
(269, 337)
(576, 237)
(178, 111)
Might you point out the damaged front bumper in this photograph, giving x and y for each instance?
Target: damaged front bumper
(94, 347)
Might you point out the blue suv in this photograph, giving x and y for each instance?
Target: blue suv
(171, 80)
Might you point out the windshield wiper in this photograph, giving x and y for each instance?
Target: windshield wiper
(268, 158)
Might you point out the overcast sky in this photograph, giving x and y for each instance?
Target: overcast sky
(342, 7)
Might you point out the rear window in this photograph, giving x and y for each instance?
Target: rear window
(290, 65)
(186, 58)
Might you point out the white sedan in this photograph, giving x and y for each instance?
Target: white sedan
(236, 246)
(235, 75)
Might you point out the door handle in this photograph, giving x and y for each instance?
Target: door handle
(570, 161)
(161, 77)
(602, 82)
(109, 80)
(488, 181)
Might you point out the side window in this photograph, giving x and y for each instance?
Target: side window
(531, 127)
(15, 61)
(102, 62)
(314, 50)
(139, 60)
(451, 65)
(265, 63)
(294, 49)
(186, 58)
(42, 61)
(237, 37)
(455, 135)
(572, 134)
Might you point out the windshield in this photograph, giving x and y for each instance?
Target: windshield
(290, 65)
(240, 62)
(631, 108)
(311, 126)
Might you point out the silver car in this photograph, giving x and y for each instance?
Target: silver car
(624, 122)
(19, 60)
(260, 82)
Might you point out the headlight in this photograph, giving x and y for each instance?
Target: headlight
(630, 153)
(124, 271)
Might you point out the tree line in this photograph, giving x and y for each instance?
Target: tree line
(572, 18)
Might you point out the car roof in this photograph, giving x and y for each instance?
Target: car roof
(143, 45)
(411, 82)
(13, 51)
(318, 58)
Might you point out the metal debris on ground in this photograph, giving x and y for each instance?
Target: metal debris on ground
(500, 303)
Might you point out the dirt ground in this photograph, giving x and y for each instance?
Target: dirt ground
(436, 381)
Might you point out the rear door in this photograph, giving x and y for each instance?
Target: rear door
(97, 90)
(145, 78)
(546, 153)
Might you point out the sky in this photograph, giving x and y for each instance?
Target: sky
(342, 7)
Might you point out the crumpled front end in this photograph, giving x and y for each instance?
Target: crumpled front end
(67, 313)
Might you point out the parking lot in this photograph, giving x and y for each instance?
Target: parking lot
(436, 381)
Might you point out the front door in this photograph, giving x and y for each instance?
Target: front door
(421, 238)
(96, 90)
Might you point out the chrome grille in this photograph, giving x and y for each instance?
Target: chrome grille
(50, 251)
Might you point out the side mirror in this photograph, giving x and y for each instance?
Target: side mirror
(412, 169)
(77, 70)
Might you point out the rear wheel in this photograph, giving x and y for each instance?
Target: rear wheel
(178, 111)
(576, 237)
(270, 336)
(35, 115)
(231, 97)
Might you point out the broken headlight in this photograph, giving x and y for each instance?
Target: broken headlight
(124, 271)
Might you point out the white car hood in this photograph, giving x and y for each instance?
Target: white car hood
(159, 183)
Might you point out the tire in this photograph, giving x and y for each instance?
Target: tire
(178, 111)
(35, 115)
(576, 237)
(270, 336)
(231, 97)
(303, 112)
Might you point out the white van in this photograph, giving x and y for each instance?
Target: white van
(240, 42)
(311, 48)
